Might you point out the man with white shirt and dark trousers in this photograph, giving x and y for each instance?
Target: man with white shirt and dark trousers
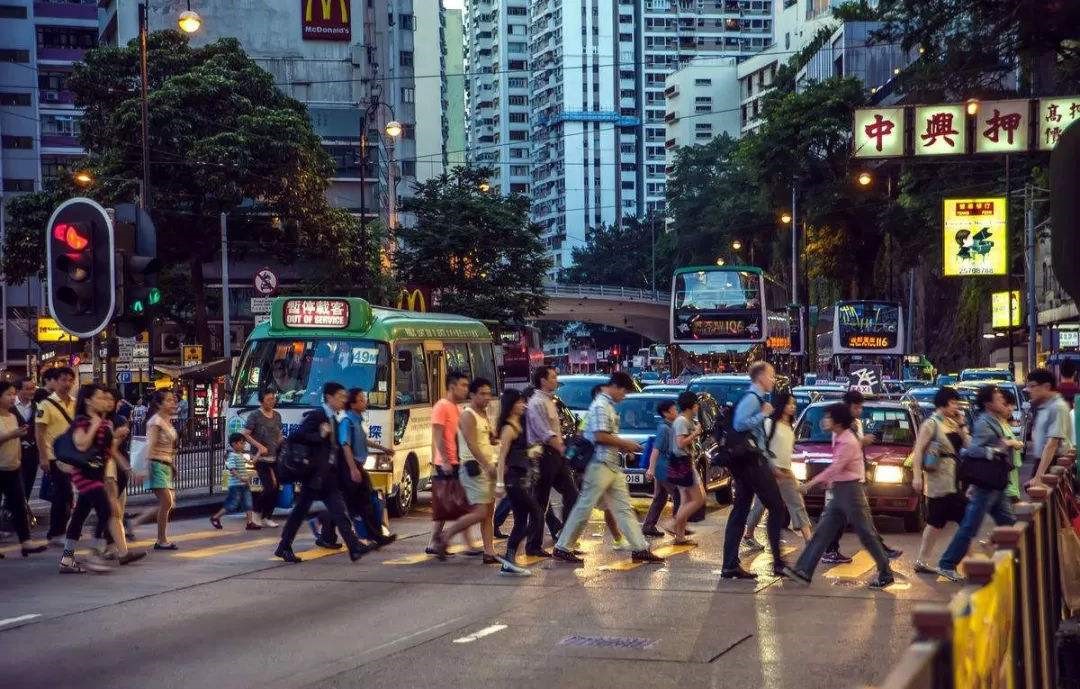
(542, 428)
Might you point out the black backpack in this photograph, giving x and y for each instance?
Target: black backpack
(734, 448)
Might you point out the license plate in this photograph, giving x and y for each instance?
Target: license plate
(635, 479)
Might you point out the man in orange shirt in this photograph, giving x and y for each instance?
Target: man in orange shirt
(445, 416)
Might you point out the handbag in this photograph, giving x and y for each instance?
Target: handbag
(448, 500)
(294, 462)
(579, 452)
(65, 451)
(932, 457)
(138, 456)
(991, 474)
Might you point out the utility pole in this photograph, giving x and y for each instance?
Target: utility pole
(144, 184)
(1030, 245)
(1008, 271)
(794, 250)
(226, 346)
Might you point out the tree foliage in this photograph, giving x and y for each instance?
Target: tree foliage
(621, 255)
(476, 249)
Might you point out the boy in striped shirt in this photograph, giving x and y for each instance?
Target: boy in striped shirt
(241, 474)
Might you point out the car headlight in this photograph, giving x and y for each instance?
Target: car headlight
(379, 462)
(799, 470)
(888, 473)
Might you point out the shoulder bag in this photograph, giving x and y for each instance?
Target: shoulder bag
(932, 456)
(990, 474)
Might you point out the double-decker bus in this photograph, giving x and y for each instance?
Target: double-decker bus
(400, 358)
(520, 350)
(860, 335)
(724, 317)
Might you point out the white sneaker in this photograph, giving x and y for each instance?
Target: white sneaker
(270, 523)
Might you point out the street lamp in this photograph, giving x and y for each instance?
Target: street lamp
(736, 245)
(972, 106)
(864, 179)
(720, 261)
(83, 178)
(189, 21)
(785, 218)
(485, 187)
(392, 129)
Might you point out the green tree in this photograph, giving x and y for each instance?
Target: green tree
(222, 139)
(621, 255)
(28, 214)
(477, 249)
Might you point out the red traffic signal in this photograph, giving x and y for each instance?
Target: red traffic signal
(79, 267)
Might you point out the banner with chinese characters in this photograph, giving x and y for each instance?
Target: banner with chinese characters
(1055, 114)
(1001, 126)
(879, 132)
(940, 130)
(999, 309)
(975, 237)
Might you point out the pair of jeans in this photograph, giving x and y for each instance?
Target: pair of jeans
(753, 480)
(662, 490)
(793, 500)
(62, 498)
(848, 506)
(981, 501)
(603, 482)
(330, 495)
(528, 520)
(267, 499)
(554, 474)
(11, 488)
(94, 499)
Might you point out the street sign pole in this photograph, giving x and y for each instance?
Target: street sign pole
(226, 346)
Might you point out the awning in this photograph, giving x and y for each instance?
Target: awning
(208, 371)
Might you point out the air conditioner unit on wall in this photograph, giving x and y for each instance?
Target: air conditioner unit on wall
(170, 343)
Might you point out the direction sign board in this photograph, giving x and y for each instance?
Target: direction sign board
(192, 355)
(123, 377)
(266, 282)
(260, 305)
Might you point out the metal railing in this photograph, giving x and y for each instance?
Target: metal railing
(200, 457)
(998, 631)
(630, 293)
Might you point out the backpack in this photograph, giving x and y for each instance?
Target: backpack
(294, 461)
(734, 449)
(579, 452)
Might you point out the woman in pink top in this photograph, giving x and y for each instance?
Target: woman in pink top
(846, 476)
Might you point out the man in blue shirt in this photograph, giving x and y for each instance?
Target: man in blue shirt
(661, 451)
(754, 477)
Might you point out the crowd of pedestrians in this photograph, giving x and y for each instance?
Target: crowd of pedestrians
(518, 452)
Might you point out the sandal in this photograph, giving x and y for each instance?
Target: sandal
(73, 568)
(215, 522)
(167, 546)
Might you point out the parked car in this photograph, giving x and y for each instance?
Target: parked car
(638, 421)
(994, 374)
(665, 388)
(889, 490)
(1021, 414)
(725, 388)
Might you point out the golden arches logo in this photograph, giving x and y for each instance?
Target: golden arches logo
(409, 301)
(326, 6)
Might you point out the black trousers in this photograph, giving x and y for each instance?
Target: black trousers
(330, 495)
(29, 469)
(95, 500)
(528, 519)
(267, 499)
(11, 487)
(357, 497)
(662, 490)
(756, 479)
(62, 498)
(554, 474)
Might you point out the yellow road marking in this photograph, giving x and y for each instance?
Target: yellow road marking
(620, 566)
(317, 552)
(672, 549)
(764, 558)
(227, 548)
(860, 564)
(409, 559)
(529, 560)
(184, 538)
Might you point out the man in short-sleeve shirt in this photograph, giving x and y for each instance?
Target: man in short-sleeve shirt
(1052, 433)
(54, 415)
(445, 416)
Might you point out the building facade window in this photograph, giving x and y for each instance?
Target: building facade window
(17, 142)
(10, 55)
(11, 184)
(12, 12)
(18, 99)
(405, 58)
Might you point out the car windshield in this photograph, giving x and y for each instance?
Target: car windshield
(298, 369)
(985, 374)
(923, 394)
(577, 393)
(638, 414)
(890, 425)
(723, 391)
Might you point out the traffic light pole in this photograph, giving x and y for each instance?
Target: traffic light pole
(144, 187)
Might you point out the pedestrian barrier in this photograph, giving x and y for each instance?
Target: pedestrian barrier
(998, 631)
(200, 458)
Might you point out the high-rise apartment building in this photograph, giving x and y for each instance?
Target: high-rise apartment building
(453, 43)
(342, 59)
(497, 90)
(699, 105)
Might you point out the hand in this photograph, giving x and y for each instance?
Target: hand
(121, 433)
(19, 432)
(635, 447)
(650, 474)
(869, 439)
(261, 450)
(355, 474)
(917, 483)
(766, 409)
(1014, 444)
(324, 430)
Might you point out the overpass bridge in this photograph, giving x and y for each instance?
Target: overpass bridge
(641, 311)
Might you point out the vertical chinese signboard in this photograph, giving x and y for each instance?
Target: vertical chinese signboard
(975, 237)
(940, 130)
(999, 310)
(325, 20)
(1055, 114)
(1002, 126)
(879, 133)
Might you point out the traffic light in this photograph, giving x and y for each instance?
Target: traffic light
(139, 266)
(79, 247)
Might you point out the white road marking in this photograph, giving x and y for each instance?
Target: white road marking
(480, 634)
(20, 618)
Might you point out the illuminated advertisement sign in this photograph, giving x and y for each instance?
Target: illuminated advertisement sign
(879, 132)
(1055, 114)
(975, 237)
(1002, 126)
(940, 130)
(332, 314)
(724, 327)
(325, 20)
(999, 309)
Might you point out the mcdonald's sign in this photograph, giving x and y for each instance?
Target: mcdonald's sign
(326, 20)
(412, 300)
